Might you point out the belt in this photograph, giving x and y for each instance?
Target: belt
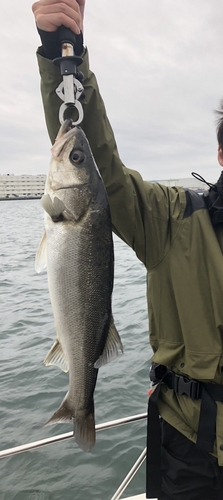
(194, 389)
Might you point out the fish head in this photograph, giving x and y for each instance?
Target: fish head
(71, 169)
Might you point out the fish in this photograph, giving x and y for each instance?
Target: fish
(77, 250)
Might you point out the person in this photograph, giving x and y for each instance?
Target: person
(178, 235)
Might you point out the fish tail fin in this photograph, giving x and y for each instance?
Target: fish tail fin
(63, 414)
(84, 425)
(84, 430)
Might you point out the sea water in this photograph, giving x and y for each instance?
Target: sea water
(31, 392)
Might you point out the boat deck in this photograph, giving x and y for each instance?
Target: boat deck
(137, 497)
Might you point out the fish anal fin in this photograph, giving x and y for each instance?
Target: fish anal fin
(56, 357)
(41, 254)
(113, 343)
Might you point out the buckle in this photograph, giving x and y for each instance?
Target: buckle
(183, 385)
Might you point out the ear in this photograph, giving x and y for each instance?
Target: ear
(220, 156)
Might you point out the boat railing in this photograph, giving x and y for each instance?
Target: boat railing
(99, 427)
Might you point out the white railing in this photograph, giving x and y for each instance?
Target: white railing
(99, 427)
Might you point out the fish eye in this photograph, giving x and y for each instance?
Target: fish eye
(76, 157)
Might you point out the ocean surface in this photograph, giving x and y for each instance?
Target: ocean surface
(31, 392)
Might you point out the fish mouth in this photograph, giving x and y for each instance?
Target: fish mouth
(66, 127)
(71, 186)
(66, 132)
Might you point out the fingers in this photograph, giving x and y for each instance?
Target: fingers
(82, 6)
(74, 4)
(50, 14)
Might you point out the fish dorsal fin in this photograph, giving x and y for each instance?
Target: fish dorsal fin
(54, 207)
(56, 357)
(113, 343)
(41, 254)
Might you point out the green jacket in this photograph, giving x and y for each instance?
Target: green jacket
(171, 233)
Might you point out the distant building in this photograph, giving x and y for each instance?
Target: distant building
(14, 187)
(187, 182)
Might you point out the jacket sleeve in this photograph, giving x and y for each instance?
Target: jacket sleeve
(132, 201)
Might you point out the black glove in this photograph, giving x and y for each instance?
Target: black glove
(51, 47)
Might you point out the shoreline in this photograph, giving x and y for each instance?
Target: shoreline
(22, 198)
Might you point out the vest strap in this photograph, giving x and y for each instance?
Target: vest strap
(153, 456)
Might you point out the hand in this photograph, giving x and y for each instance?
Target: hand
(82, 6)
(50, 14)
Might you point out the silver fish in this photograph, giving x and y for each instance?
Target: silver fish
(77, 249)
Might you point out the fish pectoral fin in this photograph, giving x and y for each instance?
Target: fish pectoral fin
(41, 254)
(56, 357)
(54, 207)
(113, 343)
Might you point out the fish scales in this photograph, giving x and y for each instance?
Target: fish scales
(77, 278)
(77, 248)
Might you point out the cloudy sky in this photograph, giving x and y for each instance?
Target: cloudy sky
(159, 66)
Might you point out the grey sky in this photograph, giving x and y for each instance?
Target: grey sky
(160, 70)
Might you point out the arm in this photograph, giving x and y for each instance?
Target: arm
(133, 202)
(118, 181)
(125, 210)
